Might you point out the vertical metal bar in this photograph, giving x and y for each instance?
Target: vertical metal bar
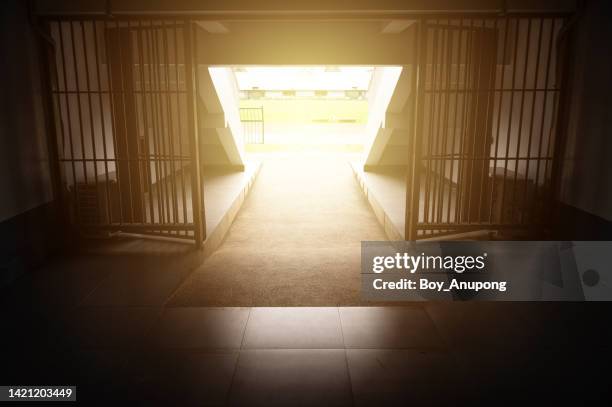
(179, 123)
(91, 125)
(170, 126)
(509, 133)
(553, 130)
(530, 138)
(125, 120)
(137, 154)
(413, 188)
(476, 109)
(550, 142)
(499, 117)
(544, 105)
(438, 141)
(111, 94)
(442, 173)
(565, 69)
(68, 117)
(434, 52)
(54, 75)
(486, 139)
(455, 124)
(520, 122)
(435, 126)
(147, 136)
(192, 83)
(464, 123)
(78, 93)
(103, 125)
(158, 123)
(141, 124)
(156, 128)
(162, 122)
(263, 127)
(552, 145)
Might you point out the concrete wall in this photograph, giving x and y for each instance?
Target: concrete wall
(382, 87)
(231, 134)
(25, 181)
(28, 220)
(587, 180)
(400, 107)
(220, 129)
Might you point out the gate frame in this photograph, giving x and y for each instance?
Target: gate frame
(563, 66)
(52, 92)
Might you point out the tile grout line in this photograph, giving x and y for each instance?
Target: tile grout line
(86, 296)
(348, 371)
(231, 386)
(446, 341)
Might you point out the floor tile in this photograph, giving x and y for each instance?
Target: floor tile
(569, 376)
(99, 376)
(563, 325)
(185, 378)
(62, 283)
(402, 377)
(289, 327)
(110, 327)
(388, 327)
(26, 328)
(139, 281)
(200, 328)
(483, 324)
(283, 377)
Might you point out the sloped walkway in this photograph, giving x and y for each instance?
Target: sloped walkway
(296, 241)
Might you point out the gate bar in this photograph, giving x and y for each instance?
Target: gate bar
(192, 82)
(179, 121)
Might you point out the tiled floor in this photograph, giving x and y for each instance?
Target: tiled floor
(284, 356)
(89, 322)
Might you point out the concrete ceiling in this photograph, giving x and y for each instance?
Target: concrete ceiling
(305, 43)
(301, 32)
(309, 9)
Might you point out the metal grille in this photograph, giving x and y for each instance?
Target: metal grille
(252, 119)
(485, 133)
(124, 100)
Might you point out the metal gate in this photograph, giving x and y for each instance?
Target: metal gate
(123, 91)
(252, 119)
(485, 133)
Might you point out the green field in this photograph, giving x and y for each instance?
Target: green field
(309, 111)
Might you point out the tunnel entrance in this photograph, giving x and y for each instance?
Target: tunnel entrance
(467, 106)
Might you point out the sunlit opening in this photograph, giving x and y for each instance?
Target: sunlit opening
(307, 107)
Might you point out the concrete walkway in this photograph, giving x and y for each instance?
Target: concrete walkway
(296, 241)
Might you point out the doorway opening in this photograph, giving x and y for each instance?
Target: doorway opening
(295, 109)
(304, 108)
